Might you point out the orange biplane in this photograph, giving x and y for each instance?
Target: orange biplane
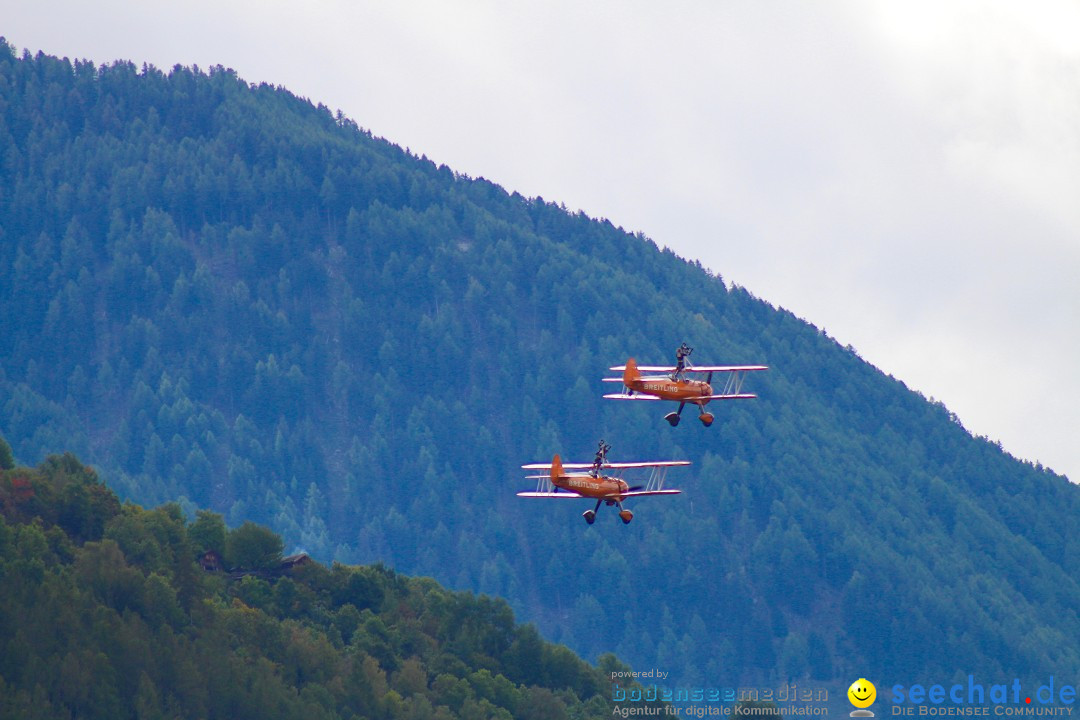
(673, 385)
(595, 484)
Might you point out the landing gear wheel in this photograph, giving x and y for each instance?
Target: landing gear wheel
(626, 516)
(590, 516)
(706, 419)
(673, 418)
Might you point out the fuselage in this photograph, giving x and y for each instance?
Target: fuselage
(681, 390)
(594, 487)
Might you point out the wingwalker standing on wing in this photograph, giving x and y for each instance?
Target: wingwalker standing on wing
(594, 484)
(681, 354)
(676, 387)
(601, 457)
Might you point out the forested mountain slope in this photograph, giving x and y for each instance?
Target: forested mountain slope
(107, 615)
(221, 294)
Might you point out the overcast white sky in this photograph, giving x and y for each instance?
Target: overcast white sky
(905, 175)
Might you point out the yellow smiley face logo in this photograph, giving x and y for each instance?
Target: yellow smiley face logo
(862, 693)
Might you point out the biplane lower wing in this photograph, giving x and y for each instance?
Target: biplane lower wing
(567, 494)
(561, 494)
(564, 475)
(689, 401)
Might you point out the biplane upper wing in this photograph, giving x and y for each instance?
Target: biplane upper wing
(655, 463)
(566, 466)
(572, 466)
(689, 368)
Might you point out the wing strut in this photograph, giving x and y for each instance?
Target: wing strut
(733, 383)
(657, 476)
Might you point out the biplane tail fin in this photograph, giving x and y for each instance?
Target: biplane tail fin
(556, 469)
(630, 373)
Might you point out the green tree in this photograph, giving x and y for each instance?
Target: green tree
(208, 532)
(252, 547)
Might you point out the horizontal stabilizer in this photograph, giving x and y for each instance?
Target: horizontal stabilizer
(635, 396)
